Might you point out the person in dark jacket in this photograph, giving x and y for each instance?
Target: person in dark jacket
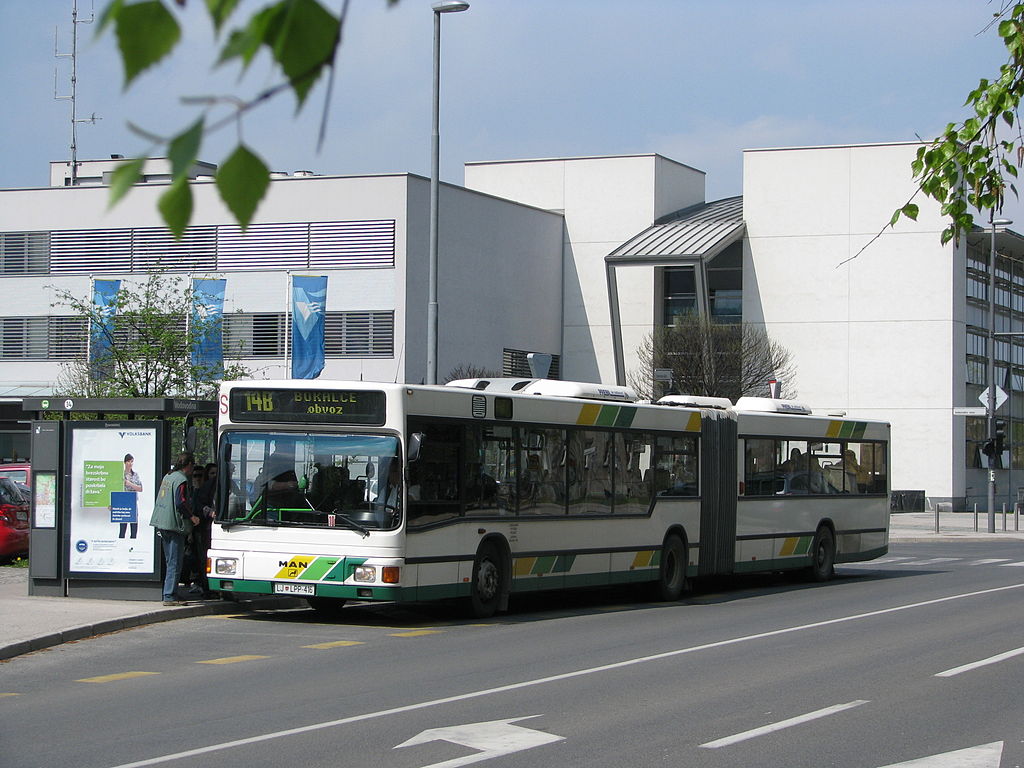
(173, 519)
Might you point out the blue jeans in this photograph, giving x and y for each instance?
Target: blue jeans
(174, 548)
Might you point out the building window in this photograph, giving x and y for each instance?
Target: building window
(24, 253)
(515, 363)
(680, 294)
(346, 334)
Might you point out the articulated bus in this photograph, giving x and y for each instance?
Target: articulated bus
(364, 491)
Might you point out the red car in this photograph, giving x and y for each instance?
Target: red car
(18, 472)
(13, 519)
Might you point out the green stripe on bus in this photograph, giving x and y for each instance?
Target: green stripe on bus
(625, 417)
(563, 563)
(319, 567)
(544, 564)
(607, 416)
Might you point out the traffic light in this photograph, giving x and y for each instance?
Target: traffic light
(989, 448)
(1000, 440)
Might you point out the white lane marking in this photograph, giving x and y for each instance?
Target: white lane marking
(934, 560)
(557, 678)
(982, 663)
(789, 723)
(990, 561)
(491, 739)
(1012, 565)
(982, 756)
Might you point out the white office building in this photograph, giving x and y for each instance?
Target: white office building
(578, 258)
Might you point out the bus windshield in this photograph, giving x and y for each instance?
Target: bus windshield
(293, 479)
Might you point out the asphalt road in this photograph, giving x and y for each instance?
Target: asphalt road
(879, 667)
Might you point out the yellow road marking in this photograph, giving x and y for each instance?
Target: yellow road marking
(9, 694)
(418, 633)
(226, 616)
(334, 644)
(232, 659)
(112, 678)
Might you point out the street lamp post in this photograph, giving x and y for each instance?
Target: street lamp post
(445, 6)
(990, 404)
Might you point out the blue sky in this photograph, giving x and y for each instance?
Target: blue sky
(695, 80)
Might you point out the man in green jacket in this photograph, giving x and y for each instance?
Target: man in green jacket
(173, 519)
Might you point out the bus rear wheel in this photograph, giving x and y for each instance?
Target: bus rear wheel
(488, 582)
(823, 555)
(672, 581)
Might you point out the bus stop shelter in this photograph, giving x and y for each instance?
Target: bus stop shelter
(89, 532)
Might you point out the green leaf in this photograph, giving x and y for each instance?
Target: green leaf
(123, 178)
(304, 44)
(245, 43)
(108, 15)
(146, 32)
(910, 210)
(219, 11)
(175, 206)
(183, 149)
(242, 181)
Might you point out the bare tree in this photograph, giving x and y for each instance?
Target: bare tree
(470, 371)
(713, 359)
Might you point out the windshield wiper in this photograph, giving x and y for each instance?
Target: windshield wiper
(364, 532)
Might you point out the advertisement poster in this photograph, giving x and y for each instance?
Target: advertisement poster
(113, 480)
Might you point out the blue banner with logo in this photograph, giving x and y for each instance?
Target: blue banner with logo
(207, 324)
(309, 307)
(101, 331)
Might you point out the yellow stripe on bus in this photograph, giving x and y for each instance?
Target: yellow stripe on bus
(523, 566)
(588, 414)
(643, 559)
(788, 546)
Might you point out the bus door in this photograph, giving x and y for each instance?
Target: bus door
(718, 490)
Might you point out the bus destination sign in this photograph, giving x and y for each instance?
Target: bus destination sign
(308, 406)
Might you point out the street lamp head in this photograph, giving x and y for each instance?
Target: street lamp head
(1002, 222)
(450, 6)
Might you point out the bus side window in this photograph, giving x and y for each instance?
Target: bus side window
(434, 476)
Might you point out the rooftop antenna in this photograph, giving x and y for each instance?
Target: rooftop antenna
(75, 21)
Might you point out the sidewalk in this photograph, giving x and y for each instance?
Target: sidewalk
(30, 623)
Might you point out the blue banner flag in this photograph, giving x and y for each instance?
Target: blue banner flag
(309, 306)
(101, 331)
(207, 324)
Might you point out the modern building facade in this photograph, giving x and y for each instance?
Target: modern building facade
(579, 258)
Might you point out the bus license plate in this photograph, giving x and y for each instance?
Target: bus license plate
(295, 589)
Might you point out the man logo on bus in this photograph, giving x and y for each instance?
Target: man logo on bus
(293, 564)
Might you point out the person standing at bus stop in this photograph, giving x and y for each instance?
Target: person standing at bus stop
(173, 519)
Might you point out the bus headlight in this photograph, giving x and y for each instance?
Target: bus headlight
(226, 566)
(365, 573)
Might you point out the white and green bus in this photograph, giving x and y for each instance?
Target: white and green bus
(364, 491)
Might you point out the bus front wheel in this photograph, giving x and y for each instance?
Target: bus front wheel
(488, 582)
(672, 582)
(823, 554)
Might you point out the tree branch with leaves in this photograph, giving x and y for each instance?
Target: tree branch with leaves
(302, 38)
(972, 164)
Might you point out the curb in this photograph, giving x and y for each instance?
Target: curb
(152, 617)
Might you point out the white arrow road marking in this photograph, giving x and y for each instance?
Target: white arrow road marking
(493, 738)
(771, 728)
(558, 678)
(983, 663)
(984, 756)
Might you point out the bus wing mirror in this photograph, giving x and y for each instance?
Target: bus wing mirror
(369, 470)
(415, 443)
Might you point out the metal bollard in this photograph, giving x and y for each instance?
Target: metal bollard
(1004, 516)
(975, 517)
(936, 518)
(1016, 516)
